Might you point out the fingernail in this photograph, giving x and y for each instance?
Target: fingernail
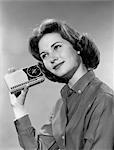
(11, 69)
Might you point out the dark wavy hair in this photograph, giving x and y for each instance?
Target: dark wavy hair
(88, 50)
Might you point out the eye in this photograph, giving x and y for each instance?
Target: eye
(57, 46)
(44, 55)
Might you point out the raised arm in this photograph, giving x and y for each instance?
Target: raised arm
(28, 137)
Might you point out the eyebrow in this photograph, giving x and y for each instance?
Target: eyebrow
(51, 46)
(55, 43)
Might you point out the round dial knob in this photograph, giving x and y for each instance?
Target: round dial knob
(33, 71)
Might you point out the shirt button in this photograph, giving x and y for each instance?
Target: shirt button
(89, 105)
(79, 91)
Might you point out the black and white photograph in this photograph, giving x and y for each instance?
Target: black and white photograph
(57, 76)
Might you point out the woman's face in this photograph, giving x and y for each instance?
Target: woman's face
(58, 54)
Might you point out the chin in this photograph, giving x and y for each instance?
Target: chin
(61, 74)
(69, 74)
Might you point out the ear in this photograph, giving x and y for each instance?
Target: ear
(78, 52)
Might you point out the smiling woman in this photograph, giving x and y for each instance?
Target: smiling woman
(60, 57)
(83, 118)
(51, 32)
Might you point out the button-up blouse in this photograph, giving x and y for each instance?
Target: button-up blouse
(83, 119)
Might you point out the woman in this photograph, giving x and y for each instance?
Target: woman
(83, 119)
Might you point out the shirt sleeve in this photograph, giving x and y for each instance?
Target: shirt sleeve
(29, 139)
(100, 134)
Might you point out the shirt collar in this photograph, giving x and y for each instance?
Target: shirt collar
(79, 86)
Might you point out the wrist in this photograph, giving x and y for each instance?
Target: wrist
(19, 112)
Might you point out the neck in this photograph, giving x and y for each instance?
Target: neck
(77, 75)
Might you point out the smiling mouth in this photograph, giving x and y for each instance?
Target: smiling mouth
(58, 66)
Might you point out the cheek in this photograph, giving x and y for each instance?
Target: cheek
(46, 64)
(74, 58)
(72, 55)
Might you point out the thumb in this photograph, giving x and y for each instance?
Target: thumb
(24, 93)
(12, 99)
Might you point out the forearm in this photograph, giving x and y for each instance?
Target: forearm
(26, 133)
(28, 137)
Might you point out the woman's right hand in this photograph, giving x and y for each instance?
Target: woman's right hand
(20, 99)
(17, 100)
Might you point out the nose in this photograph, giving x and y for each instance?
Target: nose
(53, 59)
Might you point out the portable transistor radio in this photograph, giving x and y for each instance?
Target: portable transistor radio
(17, 80)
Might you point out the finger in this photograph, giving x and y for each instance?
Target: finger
(17, 93)
(12, 96)
(25, 90)
(12, 69)
(24, 93)
(12, 99)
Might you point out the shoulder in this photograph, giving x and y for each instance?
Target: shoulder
(105, 94)
(106, 89)
(104, 100)
(103, 104)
